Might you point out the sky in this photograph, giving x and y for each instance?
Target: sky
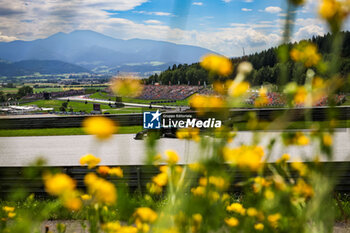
(224, 26)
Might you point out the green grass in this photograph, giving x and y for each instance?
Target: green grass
(242, 126)
(9, 90)
(99, 95)
(48, 89)
(56, 104)
(347, 102)
(81, 106)
(60, 131)
(126, 110)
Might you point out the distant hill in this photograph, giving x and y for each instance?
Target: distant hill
(29, 67)
(96, 51)
(267, 68)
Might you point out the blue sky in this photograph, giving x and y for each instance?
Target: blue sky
(224, 26)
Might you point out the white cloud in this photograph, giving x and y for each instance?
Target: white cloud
(248, 1)
(308, 27)
(246, 9)
(197, 3)
(4, 38)
(41, 18)
(261, 24)
(152, 21)
(227, 1)
(158, 13)
(308, 31)
(273, 9)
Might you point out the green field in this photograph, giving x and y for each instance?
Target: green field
(81, 106)
(126, 110)
(99, 95)
(56, 104)
(60, 131)
(9, 90)
(48, 89)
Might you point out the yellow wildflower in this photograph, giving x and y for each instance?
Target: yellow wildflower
(116, 171)
(85, 197)
(196, 167)
(8, 208)
(238, 89)
(245, 156)
(173, 158)
(89, 160)
(154, 188)
(218, 182)
(72, 203)
(327, 139)
(11, 214)
(128, 229)
(262, 100)
(111, 227)
(306, 53)
(252, 212)
(236, 207)
(273, 219)
(279, 182)
(259, 226)
(225, 197)
(161, 179)
(259, 183)
(269, 194)
(220, 87)
(58, 184)
(300, 95)
(284, 158)
(126, 86)
(318, 83)
(197, 218)
(301, 139)
(214, 196)
(232, 222)
(188, 133)
(202, 181)
(303, 189)
(178, 169)
(206, 103)
(102, 190)
(164, 169)
(300, 167)
(101, 127)
(198, 191)
(145, 214)
(103, 170)
(334, 12)
(217, 64)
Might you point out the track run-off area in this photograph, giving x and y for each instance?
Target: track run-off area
(122, 149)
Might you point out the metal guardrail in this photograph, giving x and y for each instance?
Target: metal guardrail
(237, 115)
(137, 177)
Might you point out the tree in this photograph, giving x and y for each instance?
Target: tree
(25, 90)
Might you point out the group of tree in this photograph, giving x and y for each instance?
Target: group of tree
(22, 91)
(267, 66)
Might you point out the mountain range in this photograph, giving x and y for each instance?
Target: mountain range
(100, 53)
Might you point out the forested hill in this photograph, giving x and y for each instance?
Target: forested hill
(266, 66)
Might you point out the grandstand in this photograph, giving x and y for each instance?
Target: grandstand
(165, 92)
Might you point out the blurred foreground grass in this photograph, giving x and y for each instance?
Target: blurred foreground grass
(60, 131)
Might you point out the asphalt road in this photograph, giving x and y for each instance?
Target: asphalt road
(124, 150)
